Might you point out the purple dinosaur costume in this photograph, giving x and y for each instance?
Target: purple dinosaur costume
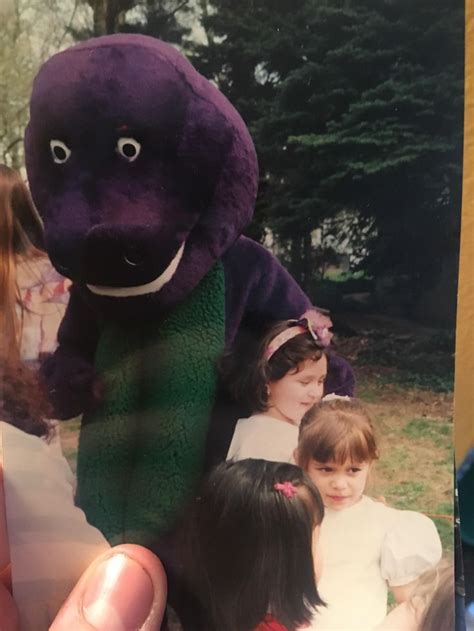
(145, 177)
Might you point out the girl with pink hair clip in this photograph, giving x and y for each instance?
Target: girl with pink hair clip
(250, 549)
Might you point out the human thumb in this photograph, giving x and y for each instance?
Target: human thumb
(124, 589)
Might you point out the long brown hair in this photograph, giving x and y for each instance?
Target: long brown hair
(20, 236)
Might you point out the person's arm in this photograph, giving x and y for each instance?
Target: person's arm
(402, 593)
(5, 570)
(9, 619)
(123, 587)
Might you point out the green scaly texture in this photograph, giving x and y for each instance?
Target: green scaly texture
(141, 454)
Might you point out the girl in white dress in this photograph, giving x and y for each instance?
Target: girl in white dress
(282, 383)
(366, 546)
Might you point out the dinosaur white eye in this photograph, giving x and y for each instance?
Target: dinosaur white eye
(59, 151)
(128, 148)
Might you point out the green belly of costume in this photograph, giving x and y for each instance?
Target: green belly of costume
(141, 454)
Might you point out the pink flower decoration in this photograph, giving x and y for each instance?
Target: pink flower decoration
(288, 489)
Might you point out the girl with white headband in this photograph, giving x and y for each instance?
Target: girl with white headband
(285, 380)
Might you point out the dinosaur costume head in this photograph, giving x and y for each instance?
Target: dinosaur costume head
(143, 172)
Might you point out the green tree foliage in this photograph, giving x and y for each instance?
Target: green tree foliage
(354, 105)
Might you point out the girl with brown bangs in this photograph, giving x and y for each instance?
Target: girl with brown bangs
(366, 546)
(33, 295)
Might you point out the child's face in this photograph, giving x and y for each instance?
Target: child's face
(340, 485)
(292, 395)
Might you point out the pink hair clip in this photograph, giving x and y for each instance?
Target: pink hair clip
(288, 489)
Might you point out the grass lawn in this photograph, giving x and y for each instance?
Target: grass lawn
(415, 435)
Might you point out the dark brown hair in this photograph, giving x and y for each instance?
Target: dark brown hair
(250, 546)
(336, 430)
(247, 371)
(23, 401)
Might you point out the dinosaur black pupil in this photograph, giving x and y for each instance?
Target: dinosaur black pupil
(60, 153)
(129, 150)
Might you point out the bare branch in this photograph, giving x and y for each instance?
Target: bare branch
(8, 149)
(69, 25)
(178, 8)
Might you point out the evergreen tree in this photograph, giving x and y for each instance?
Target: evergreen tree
(354, 105)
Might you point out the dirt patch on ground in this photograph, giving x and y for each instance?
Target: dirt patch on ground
(373, 385)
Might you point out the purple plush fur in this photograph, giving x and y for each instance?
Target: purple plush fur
(118, 224)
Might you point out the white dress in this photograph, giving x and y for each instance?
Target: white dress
(51, 543)
(366, 548)
(265, 437)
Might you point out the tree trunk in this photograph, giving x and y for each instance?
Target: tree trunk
(107, 14)
(99, 9)
(296, 259)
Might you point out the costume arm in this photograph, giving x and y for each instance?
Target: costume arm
(259, 290)
(69, 374)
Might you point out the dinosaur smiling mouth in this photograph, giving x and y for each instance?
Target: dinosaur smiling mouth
(140, 290)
